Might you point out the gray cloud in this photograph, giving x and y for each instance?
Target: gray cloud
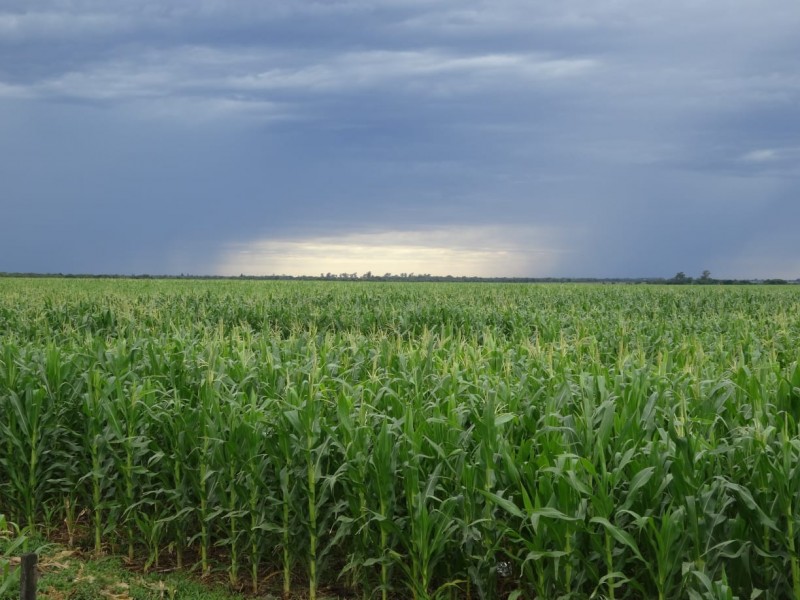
(644, 139)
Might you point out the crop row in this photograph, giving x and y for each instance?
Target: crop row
(424, 441)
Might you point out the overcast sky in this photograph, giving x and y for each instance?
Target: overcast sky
(599, 138)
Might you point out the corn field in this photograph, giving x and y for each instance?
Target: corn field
(411, 440)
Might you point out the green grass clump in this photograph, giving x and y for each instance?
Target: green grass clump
(410, 440)
(66, 575)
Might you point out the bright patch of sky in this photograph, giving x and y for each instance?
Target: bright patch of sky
(463, 251)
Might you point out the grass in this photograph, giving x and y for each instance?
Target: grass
(70, 575)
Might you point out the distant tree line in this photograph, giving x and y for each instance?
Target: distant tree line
(706, 279)
(679, 279)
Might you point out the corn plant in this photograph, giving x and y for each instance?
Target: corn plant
(431, 441)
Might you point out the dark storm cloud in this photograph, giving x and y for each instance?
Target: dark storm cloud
(635, 139)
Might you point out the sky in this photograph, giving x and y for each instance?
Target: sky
(565, 138)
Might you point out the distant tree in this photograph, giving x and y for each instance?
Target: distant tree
(680, 277)
(706, 276)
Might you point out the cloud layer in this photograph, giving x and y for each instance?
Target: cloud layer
(211, 136)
